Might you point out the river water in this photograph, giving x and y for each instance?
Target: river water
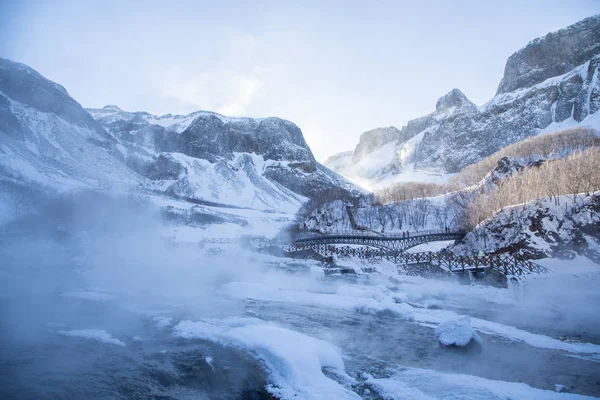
(100, 324)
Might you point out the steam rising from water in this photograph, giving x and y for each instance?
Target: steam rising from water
(92, 296)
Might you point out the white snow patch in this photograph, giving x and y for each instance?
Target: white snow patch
(416, 383)
(94, 334)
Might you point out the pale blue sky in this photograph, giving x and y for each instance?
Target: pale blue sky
(335, 68)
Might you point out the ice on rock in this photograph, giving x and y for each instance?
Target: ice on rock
(456, 332)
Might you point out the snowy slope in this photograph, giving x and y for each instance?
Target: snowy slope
(48, 139)
(547, 86)
(239, 182)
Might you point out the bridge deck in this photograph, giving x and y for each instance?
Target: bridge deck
(393, 248)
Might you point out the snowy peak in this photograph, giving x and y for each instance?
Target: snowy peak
(339, 161)
(453, 100)
(24, 85)
(552, 55)
(112, 108)
(113, 117)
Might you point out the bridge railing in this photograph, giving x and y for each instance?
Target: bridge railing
(371, 234)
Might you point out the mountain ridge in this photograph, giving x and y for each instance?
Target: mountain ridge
(459, 133)
(50, 140)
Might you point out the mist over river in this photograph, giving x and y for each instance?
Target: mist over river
(131, 316)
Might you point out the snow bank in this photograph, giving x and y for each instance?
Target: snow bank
(366, 302)
(587, 351)
(94, 334)
(456, 332)
(372, 301)
(416, 383)
(293, 361)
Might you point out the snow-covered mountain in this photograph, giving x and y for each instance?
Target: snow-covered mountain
(48, 139)
(259, 163)
(549, 84)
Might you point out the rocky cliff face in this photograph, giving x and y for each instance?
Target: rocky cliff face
(206, 135)
(552, 82)
(552, 55)
(263, 163)
(48, 139)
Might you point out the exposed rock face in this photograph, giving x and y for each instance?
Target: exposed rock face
(276, 139)
(207, 135)
(455, 99)
(552, 82)
(164, 168)
(201, 154)
(554, 54)
(467, 137)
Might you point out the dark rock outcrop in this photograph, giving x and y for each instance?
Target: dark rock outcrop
(554, 54)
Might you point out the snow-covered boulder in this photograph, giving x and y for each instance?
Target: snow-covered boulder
(456, 332)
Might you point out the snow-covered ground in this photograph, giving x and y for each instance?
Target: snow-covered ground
(238, 221)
